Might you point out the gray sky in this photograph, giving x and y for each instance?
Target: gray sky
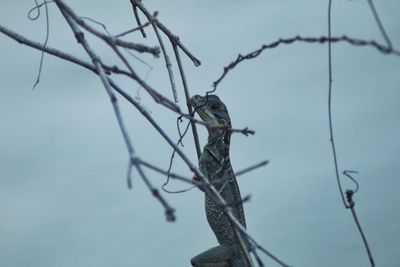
(63, 194)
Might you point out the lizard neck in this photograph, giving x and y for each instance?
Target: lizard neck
(219, 142)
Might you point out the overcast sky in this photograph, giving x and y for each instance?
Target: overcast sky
(63, 194)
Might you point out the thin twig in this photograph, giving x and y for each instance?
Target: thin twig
(164, 172)
(323, 39)
(37, 9)
(153, 21)
(245, 199)
(126, 50)
(171, 36)
(134, 7)
(349, 193)
(330, 107)
(52, 51)
(348, 174)
(98, 68)
(98, 23)
(104, 79)
(46, 39)
(187, 97)
(252, 168)
(171, 160)
(110, 39)
(245, 131)
(141, 27)
(243, 245)
(111, 69)
(258, 259)
(371, 258)
(209, 189)
(157, 97)
(380, 25)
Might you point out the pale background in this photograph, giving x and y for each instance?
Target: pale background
(63, 194)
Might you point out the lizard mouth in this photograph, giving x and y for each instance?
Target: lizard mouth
(200, 106)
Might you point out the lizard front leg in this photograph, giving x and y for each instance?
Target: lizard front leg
(219, 256)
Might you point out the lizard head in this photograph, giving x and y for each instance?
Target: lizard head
(212, 111)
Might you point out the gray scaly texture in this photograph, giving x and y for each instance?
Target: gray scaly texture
(215, 164)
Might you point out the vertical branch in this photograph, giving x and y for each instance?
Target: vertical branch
(45, 42)
(330, 104)
(153, 21)
(187, 96)
(349, 193)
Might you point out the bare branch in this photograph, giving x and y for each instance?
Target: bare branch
(380, 25)
(209, 189)
(110, 39)
(349, 193)
(141, 28)
(174, 39)
(104, 79)
(153, 21)
(252, 168)
(245, 131)
(164, 172)
(323, 39)
(187, 97)
(134, 7)
(52, 51)
(99, 68)
(158, 98)
(46, 39)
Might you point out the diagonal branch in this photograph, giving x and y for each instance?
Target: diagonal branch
(134, 7)
(109, 39)
(163, 28)
(168, 65)
(209, 188)
(104, 79)
(157, 97)
(52, 51)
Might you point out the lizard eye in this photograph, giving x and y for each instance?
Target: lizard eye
(214, 106)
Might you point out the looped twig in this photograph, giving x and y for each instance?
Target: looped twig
(180, 142)
(348, 174)
(37, 8)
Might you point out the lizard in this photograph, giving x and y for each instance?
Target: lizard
(214, 163)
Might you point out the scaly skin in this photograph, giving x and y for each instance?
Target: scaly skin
(215, 164)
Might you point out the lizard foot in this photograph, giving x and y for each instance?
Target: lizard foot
(219, 256)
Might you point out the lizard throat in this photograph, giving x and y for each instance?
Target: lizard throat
(219, 138)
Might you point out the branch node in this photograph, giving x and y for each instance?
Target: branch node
(79, 37)
(170, 214)
(349, 197)
(135, 160)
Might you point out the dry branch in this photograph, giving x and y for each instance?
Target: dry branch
(104, 79)
(102, 71)
(323, 39)
(174, 39)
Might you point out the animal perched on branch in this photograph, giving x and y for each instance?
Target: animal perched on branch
(215, 164)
